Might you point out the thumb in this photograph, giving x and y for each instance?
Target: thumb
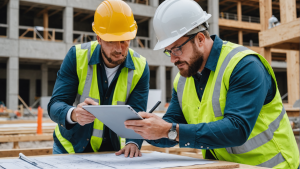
(145, 115)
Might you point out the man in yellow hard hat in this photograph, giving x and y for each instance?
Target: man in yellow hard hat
(102, 72)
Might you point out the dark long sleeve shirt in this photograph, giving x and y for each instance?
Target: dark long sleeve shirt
(65, 91)
(250, 87)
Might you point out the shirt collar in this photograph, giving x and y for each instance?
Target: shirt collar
(214, 55)
(96, 58)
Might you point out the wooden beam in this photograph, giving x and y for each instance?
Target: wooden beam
(46, 22)
(228, 7)
(251, 9)
(42, 11)
(142, 20)
(26, 137)
(240, 37)
(88, 16)
(239, 25)
(284, 33)
(293, 70)
(266, 52)
(53, 13)
(28, 9)
(239, 10)
(265, 7)
(78, 13)
(287, 11)
(27, 152)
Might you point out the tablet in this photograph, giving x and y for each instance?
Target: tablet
(114, 116)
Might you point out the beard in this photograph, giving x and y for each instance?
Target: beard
(112, 54)
(194, 65)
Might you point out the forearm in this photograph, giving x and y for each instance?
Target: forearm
(229, 132)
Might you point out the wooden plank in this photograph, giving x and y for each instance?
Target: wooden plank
(45, 24)
(293, 76)
(240, 37)
(27, 152)
(239, 11)
(42, 11)
(24, 121)
(287, 11)
(285, 33)
(292, 112)
(266, 52)
(239, 25)
(265, 9)
(27, 137)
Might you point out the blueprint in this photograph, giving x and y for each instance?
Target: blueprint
(104, 161)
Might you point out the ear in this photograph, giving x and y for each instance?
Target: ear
(99, 40)
(200, 39)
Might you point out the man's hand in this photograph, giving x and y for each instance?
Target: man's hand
(130, 149)
(82, 116)
(151, 128)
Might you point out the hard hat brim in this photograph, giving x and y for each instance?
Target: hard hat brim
(122, 36)
(162, 44)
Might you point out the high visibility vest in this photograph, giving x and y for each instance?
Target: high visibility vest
(271, 142)
(88, 88)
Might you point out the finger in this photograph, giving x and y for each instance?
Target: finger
(81, 104)
(126, 151)
(90, 101)
(134, 123)
(136, 152)
(120, 152)
(83, 112)
(145, 115)
(132, 151)
(140, 154)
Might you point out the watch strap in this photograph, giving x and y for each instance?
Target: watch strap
(173, 126)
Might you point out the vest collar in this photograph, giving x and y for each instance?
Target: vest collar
(96, 58)
(215, 52)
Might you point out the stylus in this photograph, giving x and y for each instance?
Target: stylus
(155, 106)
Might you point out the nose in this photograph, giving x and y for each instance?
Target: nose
(174, 58)
(118, 46)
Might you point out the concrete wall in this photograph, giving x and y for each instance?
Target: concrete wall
(16, 49)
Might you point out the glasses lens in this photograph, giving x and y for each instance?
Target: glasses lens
(167, 53)
(177, 51)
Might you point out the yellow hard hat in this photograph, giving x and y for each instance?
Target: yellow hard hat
(114, 21)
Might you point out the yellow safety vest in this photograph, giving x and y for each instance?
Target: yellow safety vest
(271, 142)
(88, 88)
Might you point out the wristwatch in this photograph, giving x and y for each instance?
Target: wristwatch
(172, 133)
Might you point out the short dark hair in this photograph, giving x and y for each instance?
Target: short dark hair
(205, 33)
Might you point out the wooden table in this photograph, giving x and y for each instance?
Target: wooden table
(217, 165)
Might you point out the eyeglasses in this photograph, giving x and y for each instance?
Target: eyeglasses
(177, 51)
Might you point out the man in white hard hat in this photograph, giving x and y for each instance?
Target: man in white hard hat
(225, 99)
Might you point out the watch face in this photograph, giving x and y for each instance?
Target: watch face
(172, 135)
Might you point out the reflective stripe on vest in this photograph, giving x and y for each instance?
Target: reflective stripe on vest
(259, 139)
(66, 143)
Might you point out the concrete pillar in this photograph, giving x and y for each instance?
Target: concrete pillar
(213, 9)
(161, 84)
(32, 90)
(13, 19)
(44, 80)
(154, 3)
(174, 72)
(152, 35)
(12, 80)
(68, 24)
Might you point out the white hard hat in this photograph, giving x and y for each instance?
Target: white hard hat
(175, 18)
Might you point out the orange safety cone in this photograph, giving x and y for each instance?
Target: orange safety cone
(39, 121)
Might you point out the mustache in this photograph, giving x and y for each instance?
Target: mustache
(117, 53)
(180, 62)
